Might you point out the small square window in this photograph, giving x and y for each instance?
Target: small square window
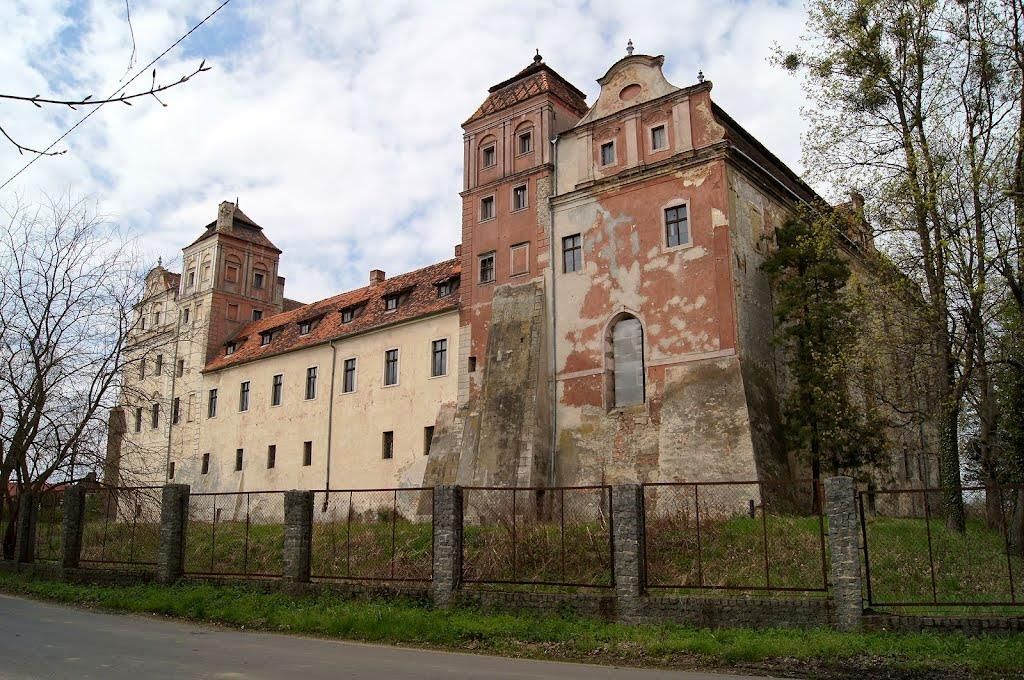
(487, 208)
(525, 142)
(229, 349)
(490, 156)
(487, 268)
(608, 153)
(347, 315)
(257, 314)
(265, 338)
(388, 445)
(659, 138)
(446, 288)
(305, 327)
(307, 454)
(390, 303)
(206, 464)
(519, 198)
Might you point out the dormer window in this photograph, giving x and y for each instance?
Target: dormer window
(490, 156)
(526, 142)
(608, 153)
(265, 338)
(447, 287)
(306, 326)
(391, 302)
(350, 313)
(229, 349)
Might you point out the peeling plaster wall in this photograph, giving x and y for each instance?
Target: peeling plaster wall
(753, 217)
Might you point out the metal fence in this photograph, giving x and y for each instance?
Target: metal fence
(912, 557)
(754, 536)
(121, 526)
(49, 525)
(235, 534)
(373, 534)
(557, 536)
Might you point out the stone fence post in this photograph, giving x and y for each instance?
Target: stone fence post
(74, 515)
(843, 530)
(25, 546)
(298, 536)
(170, 558)
(628, 557)
(447, 543)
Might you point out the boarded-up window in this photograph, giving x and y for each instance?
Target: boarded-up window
(628, 362)
(520, 256)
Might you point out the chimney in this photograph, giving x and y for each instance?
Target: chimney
(225, 216)
(376, 276)
(458, 250)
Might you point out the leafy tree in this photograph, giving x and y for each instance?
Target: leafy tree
(816, 326)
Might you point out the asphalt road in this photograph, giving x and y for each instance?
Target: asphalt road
(39, 640)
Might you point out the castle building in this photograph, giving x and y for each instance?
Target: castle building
(604, 319)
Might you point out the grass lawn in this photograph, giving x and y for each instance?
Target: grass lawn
(820, 653)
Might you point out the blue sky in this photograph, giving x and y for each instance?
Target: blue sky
(337, 123)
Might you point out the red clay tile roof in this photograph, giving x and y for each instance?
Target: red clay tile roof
(422, 300)
(537, 78)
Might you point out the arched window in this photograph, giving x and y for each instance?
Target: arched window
(627, 359)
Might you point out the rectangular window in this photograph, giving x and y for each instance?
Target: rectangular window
(608, 153)
(428, 438)
(190, 408)
(659, 139)
(307, 453)
(191, 279)
(305, 327)
(232, 312)
(206, 463)
(311, 382)
(471, 364)
(257, 280)
(231, 273)
(677, 228)
(519, 198)
(265, 338)
(391, 367)
(211, 406)
(239, 453)
(181, 367)
(276, 390)
(229, 349)
(348, 379)
(271, 456)
(142, 368)
(490, 156)
(487, 208)
(347, 315)
(155, 417)
(206, 272)
(159, 368)
(446, 288)
(390, 303)
(243, 396)
(175, 410)
(487, 268)
(387, 445)
(138, 419)
(142, 322)
(170, 470)
(525, 142)
(519, 259)
(185, 315)
(572, 253)
(439, 357)
(257, 314)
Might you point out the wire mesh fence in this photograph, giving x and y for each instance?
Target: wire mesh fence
(235, 534)
(753, 536)
(557, 536)
(912, 556)
(373, 535)
(49, 525)
(121, 527)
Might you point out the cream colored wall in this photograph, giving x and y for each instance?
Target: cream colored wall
(359, 418)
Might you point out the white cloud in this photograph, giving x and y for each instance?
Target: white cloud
(338, 123)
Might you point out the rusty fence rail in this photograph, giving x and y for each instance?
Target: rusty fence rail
(912, 557)
(750, 536)
(235, 534)
(552, 536)
(121, 526)
(373, 534)
(49, 525)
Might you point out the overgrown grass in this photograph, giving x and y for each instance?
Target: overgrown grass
(406, 622)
